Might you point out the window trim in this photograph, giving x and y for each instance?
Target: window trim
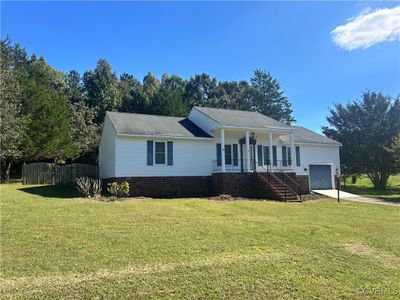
(165, 153)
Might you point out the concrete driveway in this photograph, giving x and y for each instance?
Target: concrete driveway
(353, 197)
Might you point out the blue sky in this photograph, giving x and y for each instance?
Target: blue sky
(227, 40)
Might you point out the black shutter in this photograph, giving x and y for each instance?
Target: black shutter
(219, 160)
(284, 156)
(149, 153)
(298, 156)
(235, 155)
(260, 155)
(170, 149)
(275, 161)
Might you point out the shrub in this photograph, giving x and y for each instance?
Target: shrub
(88, 187)
(118, 189)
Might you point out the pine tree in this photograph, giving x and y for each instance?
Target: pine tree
(268, 98)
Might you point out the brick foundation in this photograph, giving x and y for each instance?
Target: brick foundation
(303, 181)
(168, 187)
(234, 184)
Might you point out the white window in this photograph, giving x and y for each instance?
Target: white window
(160, 153)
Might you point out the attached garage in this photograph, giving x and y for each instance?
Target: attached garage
(320, 177)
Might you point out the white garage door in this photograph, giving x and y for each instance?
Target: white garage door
(320, 177)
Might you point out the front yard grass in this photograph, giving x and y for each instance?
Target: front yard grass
(56, 246)
(364, 187)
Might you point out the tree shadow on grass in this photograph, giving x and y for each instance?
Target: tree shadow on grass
(52, 191)
(391, 194)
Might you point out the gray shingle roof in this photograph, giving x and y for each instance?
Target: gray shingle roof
(141, 124)
(304, 135)
(240, 118)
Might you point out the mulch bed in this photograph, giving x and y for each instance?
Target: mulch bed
(226, 197)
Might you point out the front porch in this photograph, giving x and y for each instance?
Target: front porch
(254, 150)
(257, 162)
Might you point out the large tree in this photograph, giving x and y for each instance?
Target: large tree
(102, 89)
(49, 132)
(394, 150)
(268, 97)
(168, 103)
(173, 83)
(76, 89)
(128, 85)
(12, 123)
(200, 90)
(367, 129)
(85, 131)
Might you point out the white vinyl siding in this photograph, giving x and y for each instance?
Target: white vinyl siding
(203, 121)
(317, 154)
(191, 158)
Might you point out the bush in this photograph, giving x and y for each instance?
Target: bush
(88, 187)
(118, 189)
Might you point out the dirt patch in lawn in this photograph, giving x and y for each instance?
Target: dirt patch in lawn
(364, 250)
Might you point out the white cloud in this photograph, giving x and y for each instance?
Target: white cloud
(368, 29)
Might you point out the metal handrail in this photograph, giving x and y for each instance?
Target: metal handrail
(299, 188)
(269, 182)
(286, 186)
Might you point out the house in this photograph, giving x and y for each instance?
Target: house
(215, 151)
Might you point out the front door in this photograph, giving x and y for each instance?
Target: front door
(244, 162)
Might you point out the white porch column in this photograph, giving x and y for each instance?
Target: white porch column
(270, 148)
(293, 151)
(248, 150)
(223, 150)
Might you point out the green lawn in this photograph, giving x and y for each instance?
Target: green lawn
(364, 187)
(57, 246)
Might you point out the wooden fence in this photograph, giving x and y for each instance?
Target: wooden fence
(46, 173)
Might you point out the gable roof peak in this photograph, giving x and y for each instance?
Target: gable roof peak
(240, 118)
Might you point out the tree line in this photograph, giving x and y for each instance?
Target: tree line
(48, 115)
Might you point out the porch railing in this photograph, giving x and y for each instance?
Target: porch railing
(237, 165)
(277, 166)
(240, 165)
